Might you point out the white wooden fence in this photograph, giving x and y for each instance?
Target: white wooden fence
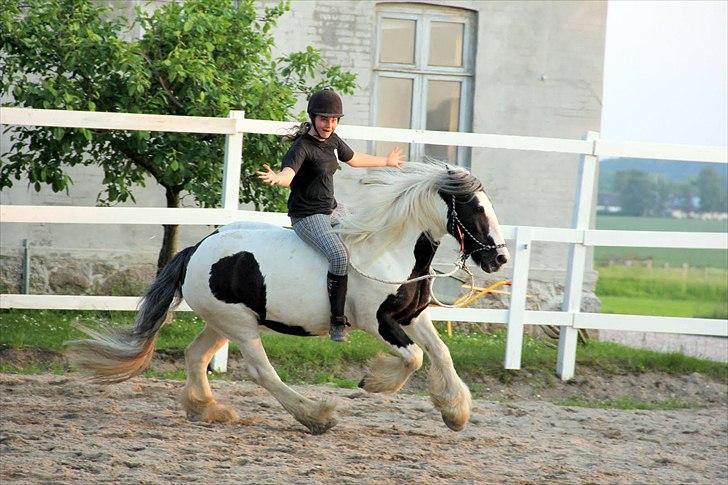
(579, 236)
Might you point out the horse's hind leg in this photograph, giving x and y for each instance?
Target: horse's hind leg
(448, 392)
(315, 415)
(198, 401)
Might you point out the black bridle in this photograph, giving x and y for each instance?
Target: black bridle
(460, 231)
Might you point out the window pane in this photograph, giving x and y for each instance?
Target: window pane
(443, 114)
(394, 107)
(398, 41)
(446, 44)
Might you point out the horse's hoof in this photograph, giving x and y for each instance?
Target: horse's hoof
(455, 427)
(219, 413)
(321, 428)
(454, 424)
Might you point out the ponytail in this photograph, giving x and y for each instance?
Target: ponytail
(297, 131)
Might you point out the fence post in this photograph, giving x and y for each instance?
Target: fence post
(25, 285)
(573, 287)
(519, 287)
(230, 201)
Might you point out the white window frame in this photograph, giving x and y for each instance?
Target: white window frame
(420, 72)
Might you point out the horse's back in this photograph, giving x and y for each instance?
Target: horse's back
(266, 267)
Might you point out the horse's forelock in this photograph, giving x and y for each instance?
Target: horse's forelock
(459, 182)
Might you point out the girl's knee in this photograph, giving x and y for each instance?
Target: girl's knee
(339, 264)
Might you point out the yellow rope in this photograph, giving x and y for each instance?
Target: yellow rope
(474, 294)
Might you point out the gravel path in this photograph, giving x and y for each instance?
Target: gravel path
(60, 430)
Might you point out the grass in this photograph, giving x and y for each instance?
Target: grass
(659, 224)
(663, 291)
(627, 403)
(33, 368)
(48, 329)
(612, 358)
(673, 256)
(626, 305)
(315, 359)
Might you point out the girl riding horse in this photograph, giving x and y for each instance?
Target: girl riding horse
(248, 275)
(308, 169)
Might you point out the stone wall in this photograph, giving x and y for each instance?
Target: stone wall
(79, 273)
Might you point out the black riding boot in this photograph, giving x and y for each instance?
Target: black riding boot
(336, 285)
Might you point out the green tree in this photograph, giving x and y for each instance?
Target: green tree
(193, 58)
(684, 191)
(711, 189)
(636, 192)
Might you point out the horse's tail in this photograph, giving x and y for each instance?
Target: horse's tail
(117, 354)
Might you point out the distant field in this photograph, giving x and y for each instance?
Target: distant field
(660, 224)
(664, 292)
(674, 257)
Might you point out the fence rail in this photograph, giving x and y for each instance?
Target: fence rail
(579, 236)
(229, 126)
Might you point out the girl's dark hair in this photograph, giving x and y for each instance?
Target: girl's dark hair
(297, 131)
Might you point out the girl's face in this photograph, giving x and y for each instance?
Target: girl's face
(325, 125)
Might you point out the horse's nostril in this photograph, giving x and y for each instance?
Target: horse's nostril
(501, 259)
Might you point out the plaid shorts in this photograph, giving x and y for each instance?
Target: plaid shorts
(317, 231)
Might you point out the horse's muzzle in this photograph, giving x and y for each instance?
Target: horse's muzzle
(491, 263)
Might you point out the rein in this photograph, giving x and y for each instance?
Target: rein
(459, 265)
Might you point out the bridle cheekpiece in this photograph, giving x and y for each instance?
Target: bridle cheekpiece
(461, 231)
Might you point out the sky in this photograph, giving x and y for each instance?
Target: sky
(666, 72)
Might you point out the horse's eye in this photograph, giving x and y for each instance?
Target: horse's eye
(480, 209)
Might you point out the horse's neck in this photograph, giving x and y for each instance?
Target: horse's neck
(424, 252)
(412, 253)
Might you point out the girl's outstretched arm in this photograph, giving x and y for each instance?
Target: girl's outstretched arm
(393, 159)
(282, 178)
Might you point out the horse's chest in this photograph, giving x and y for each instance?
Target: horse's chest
(408, 303)
(412, 298)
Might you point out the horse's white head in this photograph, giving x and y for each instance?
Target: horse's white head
(471, 220)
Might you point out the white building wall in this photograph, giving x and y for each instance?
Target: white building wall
(538, 72)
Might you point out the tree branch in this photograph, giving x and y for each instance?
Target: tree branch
(163, 84)
(142, 162)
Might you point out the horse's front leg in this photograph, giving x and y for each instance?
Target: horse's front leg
(387, 373)
(448, 392)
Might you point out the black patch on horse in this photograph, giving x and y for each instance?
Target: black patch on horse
(237, 279)
(287, 329)
(410, 300)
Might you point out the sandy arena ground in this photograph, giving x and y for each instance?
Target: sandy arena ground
(54, 429)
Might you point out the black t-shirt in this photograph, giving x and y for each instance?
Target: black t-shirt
(312, 188)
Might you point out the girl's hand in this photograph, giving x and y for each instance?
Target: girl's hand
(269, 176)
(395, 157)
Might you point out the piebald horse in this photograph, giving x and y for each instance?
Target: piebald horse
(246, 276)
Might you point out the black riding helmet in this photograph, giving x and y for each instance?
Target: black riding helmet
(324, 103)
